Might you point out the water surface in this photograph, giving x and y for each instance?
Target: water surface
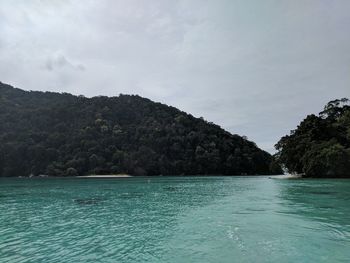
(174, 219)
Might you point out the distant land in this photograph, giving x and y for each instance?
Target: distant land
(58, 134)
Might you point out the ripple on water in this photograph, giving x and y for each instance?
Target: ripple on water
(179, 219)
(89, 201)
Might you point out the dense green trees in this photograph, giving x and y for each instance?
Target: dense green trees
(65, 135)
(320, 146)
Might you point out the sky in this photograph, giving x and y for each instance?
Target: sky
(256, 68)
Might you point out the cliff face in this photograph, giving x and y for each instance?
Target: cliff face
(65, 135)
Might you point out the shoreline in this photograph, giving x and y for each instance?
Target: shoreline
(287, 176)
(105, 176)
(283, 177)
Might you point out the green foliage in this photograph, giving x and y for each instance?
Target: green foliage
(320, 146)
(64, 135)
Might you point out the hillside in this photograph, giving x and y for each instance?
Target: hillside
(65, 135)
(320, 145)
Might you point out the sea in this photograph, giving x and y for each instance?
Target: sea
(174, 219)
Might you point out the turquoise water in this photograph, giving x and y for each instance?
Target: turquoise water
(179, 219)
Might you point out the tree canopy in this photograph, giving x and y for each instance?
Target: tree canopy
(320, 146)
(59, 134)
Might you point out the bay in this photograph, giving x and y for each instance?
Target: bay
(174, 219)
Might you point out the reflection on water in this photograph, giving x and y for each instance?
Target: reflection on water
(179, 219)
(321, 200)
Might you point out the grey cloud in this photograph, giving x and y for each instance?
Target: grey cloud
(254, 67)
(58, 60)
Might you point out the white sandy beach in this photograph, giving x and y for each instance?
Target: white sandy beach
(287, 176)
(105, 176)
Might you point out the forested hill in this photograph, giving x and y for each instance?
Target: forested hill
(65, 135)
(320, 145)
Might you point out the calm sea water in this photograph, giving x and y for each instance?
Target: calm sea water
(179, 219)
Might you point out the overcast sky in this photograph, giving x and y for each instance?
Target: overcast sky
(254, 67)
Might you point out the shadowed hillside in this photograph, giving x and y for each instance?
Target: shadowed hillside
(65, 135)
